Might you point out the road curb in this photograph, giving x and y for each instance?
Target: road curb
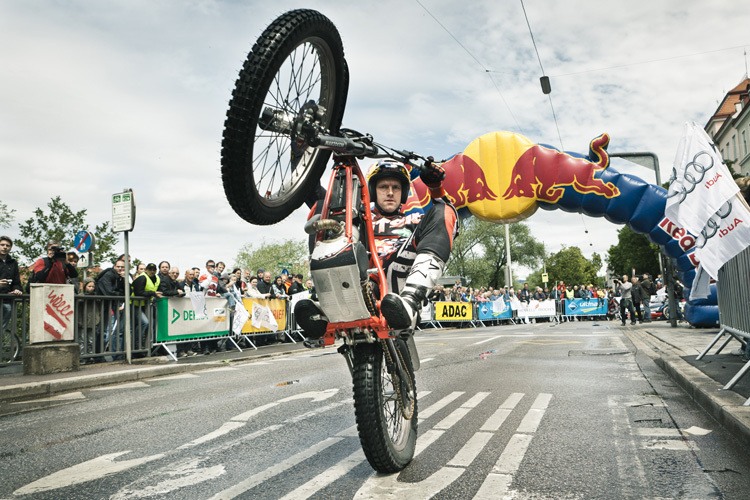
(726, 407)
(31, 390)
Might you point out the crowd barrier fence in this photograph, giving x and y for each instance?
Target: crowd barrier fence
(734, 310)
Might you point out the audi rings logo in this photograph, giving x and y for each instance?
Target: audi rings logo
(713, 224)
(695, 172)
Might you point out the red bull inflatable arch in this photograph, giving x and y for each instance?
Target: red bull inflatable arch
(503, 177)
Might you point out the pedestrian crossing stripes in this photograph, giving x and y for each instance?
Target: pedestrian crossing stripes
(442, 413)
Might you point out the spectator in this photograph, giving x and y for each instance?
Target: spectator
(145, 285)
(174, 273)
(168, 286)
(277, 289)
(525, 295)
(140, 269)
(296, 286)
(237, 272)
(72, 258)
(647, 290)
(635, 295)
(264, 284)
(190, 284)
(111, 282)
(220, 266)
(625, 288)
(260, 273)
(54, 267)
(89, 321)
(539, 294)
(253, 292)
(208, 281)
(437, 294)
(10, 280)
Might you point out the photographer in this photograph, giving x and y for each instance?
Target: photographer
(54, 268)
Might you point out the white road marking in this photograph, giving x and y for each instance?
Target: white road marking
(226, 428)
(629, 466)
(511, 457)
(436, 407)
(274, 470)
(314, 395)
(425, 360)
(461, 411)
(244, 417)
(326, 477)
(532, 419)
(697, 431)
(131, 385)
(496, 420)
(669, 444)
(182, 475)
(96, 468)
(471, 449)
(657, 432)
(175, 377)
(62, 397)
(487, 340)
(219, 369)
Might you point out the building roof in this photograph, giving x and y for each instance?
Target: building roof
(727, 106)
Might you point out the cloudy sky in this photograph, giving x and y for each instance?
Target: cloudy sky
(100, 96)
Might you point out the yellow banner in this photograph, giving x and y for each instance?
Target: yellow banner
(453, 311)
(278, 308)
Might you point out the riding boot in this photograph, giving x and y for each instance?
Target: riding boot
(310, 318)
(402, 310)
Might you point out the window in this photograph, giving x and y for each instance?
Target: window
(744, 144)
(734, 147)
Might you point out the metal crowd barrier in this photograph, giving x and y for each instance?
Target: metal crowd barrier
(734, 309)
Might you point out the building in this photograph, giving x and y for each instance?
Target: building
(729, 128)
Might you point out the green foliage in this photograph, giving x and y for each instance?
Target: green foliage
(268, 255)
(633, 251)
(60, 223)
(479, 252)
(568, 265)
(6, 215)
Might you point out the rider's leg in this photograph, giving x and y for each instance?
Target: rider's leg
(433, 239)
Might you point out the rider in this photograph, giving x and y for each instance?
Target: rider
(412, 248)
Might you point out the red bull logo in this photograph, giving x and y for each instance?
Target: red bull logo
(465, 181)
(544, 173)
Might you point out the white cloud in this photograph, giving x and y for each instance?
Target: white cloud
(100, 96)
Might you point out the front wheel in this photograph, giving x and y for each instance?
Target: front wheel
(388, 438)
(296, 65)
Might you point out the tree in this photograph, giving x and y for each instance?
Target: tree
(633, 251)
(569, 265)
(269, 255)
(62, 224)
(6, 215)
(479, 251)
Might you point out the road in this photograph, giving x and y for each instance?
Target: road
(573, 411)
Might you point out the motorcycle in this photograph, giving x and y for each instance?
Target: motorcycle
(282, 125)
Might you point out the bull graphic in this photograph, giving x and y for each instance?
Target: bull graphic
(465, 181)
(543, 173)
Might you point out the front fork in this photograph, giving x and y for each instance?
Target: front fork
(393, 360)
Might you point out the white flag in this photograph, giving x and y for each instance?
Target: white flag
(726, 234)
(498, 306)
(262, 317)
(240, 318)
(700, 183)
(199, 304)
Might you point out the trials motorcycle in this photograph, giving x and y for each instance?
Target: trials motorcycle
(282, 125)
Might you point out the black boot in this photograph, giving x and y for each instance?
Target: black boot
(310, 318)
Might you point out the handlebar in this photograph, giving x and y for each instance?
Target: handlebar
(306, 126)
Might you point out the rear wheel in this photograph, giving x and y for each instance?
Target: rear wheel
(297, 63)
(388, 439)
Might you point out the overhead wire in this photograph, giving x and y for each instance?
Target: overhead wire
(552, 107)
(484, 68)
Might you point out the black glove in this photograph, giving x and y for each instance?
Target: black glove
(433, 174)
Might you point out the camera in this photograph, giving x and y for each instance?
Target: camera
(58, 252)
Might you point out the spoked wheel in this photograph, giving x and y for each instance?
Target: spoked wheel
(296, 66)
(388, 439)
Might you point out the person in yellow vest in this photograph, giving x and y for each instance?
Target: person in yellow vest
(146, 285)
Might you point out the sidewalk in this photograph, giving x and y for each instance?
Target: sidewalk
(15, 386)
(675, 350)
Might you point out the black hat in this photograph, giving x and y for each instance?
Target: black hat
(151, 267)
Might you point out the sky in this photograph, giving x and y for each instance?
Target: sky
(100, 96)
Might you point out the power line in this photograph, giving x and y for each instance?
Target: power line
(549, 95)
(484, 68)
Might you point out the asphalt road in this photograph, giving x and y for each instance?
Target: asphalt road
(573, 411)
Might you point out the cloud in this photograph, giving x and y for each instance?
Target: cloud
(101, 96)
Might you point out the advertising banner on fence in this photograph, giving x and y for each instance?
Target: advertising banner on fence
(497, 309)
(177, 319)
(453, 311)
(259, 322)
(585, 307)
(536, 309)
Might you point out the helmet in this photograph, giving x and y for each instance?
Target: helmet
(388, 168)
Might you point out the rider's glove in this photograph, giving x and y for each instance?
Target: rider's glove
(433, 175)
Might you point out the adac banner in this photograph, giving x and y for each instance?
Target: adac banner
(585, 307)
(278, 309)
(453, 311)
(176, 319)
(494, 310)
